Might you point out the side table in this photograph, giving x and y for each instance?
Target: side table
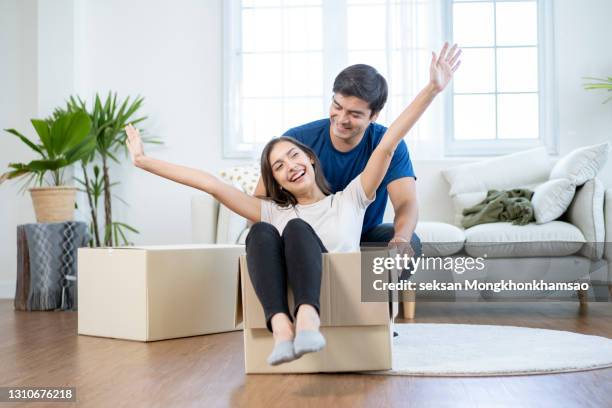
(47, 265)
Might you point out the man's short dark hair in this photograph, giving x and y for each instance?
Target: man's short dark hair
(363, 82)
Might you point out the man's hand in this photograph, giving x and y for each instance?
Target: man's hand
(443, 67)
(403, 246)
(134, 143)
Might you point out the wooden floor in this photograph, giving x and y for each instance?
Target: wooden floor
(43, 349)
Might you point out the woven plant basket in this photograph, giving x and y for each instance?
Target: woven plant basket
(53, 204)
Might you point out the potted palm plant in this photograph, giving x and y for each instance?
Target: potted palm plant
(108, 116)
(63, 140)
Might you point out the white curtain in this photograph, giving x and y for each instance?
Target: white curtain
(414, 29)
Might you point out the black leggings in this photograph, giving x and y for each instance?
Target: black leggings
(274, 260)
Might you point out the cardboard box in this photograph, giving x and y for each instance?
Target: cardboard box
(358, 334)
(149, 293)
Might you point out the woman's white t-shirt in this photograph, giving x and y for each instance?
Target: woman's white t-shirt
(337, 219)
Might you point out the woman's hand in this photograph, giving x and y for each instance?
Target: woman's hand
(134, 144)
(443, 67)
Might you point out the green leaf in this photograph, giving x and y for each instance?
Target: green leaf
(107, 232)
(25, 140)
(46, 165)
(43, 131)
(81, 182)
(152, 140)
(17, 173)
(128, 227)
(78, 130)
(81, 151)
(598, 86)
(125, 241)
(115, 231)
(136, 121)
(59, 133)
(113, 157)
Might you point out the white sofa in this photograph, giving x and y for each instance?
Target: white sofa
(577, 237)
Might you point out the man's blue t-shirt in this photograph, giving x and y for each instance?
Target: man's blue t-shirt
(342, 167)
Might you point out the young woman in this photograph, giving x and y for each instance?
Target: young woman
(299, 219)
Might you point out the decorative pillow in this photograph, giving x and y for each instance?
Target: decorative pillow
(581, 164)
(551, 199)
(246, 176)
(231, 226)
(500, 173)
(587, 213)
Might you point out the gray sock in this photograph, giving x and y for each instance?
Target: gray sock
(282, 353)
(308, 341)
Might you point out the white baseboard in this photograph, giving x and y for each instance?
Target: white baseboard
(7, 289)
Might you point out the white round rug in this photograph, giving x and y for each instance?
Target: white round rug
(432, 349)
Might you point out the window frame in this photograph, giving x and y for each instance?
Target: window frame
(547, 95)
(234, 147)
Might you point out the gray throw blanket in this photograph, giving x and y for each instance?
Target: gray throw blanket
(47, 265)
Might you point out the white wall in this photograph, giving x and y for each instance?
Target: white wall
(171, 53)
(18, 102)
(583, 33)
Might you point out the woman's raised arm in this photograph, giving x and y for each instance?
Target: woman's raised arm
(441, 72)
(234, 199)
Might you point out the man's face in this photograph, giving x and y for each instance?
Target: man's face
(349, 116)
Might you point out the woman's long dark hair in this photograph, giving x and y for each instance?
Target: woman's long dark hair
(274, 191)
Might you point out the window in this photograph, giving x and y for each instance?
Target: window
(501, 100)
(276, 58)
(283, 55)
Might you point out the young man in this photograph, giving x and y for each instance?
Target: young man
(344, 143)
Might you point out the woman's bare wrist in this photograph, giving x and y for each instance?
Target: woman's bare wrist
(139, 161)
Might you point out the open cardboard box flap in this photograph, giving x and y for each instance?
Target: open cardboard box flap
(238, 304)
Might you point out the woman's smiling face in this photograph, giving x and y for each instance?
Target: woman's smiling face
(292, 168)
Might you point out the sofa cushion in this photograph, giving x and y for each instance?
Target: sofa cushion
(229, 224)
(587, 213)
(204, 216)
(551, 199)
(439, 238)
(500, 173)
(504, 240)
(581, 165)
